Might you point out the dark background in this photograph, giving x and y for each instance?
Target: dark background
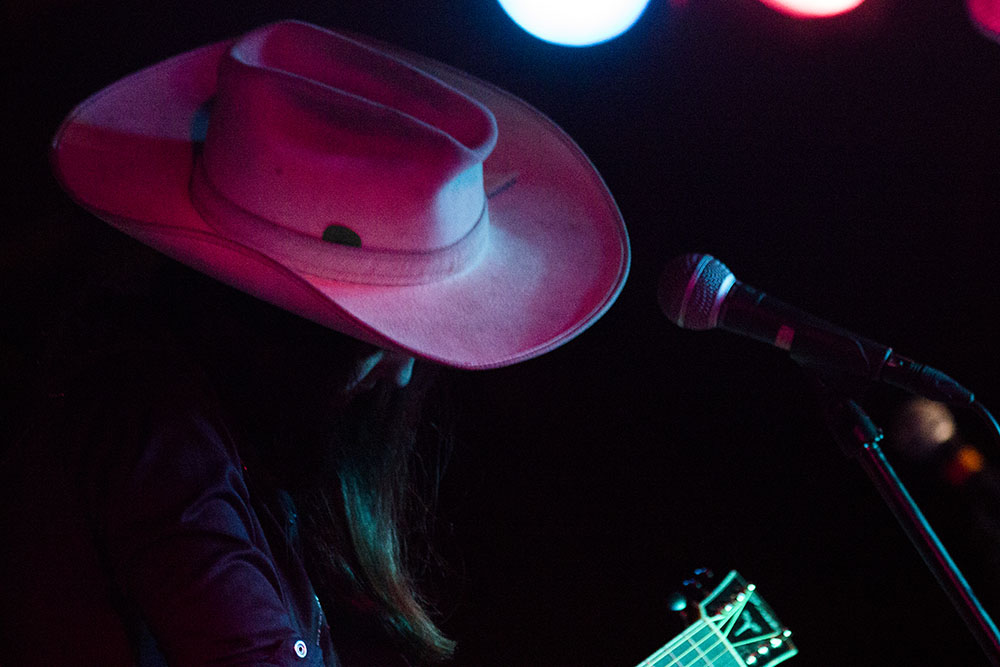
(849, 166)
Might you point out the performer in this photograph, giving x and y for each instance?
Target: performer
(233, 478)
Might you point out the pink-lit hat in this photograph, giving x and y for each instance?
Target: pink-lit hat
(376, 192)
(986, 16)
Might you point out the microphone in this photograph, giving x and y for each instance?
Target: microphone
(700, 292)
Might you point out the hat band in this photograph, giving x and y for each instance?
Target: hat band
(329, 260)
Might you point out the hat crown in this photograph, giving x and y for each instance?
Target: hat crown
(311, 130)
(542, 262)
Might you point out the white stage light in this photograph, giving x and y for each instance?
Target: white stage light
(575, 22)
(813, 8)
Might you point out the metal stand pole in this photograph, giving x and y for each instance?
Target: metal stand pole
(859, 438)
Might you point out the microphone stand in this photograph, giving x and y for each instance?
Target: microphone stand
(859, 439)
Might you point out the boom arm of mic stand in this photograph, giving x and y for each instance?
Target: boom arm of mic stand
(859, 439)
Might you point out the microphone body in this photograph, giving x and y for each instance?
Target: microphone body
(700, 292)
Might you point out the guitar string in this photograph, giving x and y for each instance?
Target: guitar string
(706, 656)
(691, 630)
(676, 643)
(652, 661)
(655, 659)
(726, 649)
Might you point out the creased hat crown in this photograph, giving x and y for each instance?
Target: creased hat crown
(341, 179)
(316, 142)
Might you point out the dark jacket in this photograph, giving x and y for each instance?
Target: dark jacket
(129, 535)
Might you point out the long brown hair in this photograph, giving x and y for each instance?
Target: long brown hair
(353, 531)
(362, 476)
(364, 487)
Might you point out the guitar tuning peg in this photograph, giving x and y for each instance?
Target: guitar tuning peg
(684, 603)
(705, 575)
(681, 609)
(677, 602)
(699, 584)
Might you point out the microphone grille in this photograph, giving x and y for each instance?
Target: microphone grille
(691, 290)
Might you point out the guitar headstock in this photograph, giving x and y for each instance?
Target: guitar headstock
(745, 624)
(736, 628)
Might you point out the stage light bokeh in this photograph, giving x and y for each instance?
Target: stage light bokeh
(986, 15)
(813, 8)
(575, 22)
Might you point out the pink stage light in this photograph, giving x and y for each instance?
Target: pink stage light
(813, 8)
(986, 15)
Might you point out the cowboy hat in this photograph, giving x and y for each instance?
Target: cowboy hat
(371, 190)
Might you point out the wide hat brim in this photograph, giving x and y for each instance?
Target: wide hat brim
(558, 251)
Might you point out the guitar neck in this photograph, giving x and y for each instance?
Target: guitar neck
(736, 628)
(700, 645)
